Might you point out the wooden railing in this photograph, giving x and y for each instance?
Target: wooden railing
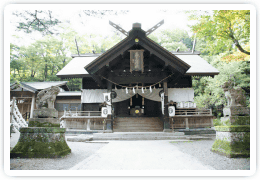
(79, 114)
(193, 112)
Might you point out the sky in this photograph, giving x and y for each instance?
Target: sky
(88, 24)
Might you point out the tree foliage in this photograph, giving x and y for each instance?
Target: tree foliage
(37, 20)
(224, 29)
(44, 21)
(43, 59)
(173, 39)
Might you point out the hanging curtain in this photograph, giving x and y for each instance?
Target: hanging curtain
(174, 94)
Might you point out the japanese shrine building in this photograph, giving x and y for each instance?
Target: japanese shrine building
(146, 87)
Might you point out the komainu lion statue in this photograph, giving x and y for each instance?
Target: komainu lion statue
(47, 97)
(235, 95)
(238, 96)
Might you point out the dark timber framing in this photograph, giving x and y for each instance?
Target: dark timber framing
(126, 44)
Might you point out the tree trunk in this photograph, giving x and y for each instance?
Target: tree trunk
(240, 48)
(237, 43)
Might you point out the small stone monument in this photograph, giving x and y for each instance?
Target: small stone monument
(233, 137)
(43, 138)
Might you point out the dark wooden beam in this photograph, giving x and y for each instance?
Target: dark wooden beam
(127, 79)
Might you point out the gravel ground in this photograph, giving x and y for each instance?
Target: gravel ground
(79, 152)
(201, 151)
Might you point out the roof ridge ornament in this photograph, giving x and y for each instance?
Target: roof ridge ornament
(154, 27)
(137, 25)
(119, 28)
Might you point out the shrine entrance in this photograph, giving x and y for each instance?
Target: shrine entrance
(137, 106)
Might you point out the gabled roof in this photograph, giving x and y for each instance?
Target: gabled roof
(145, 42)
(37, 86)
(198, 66)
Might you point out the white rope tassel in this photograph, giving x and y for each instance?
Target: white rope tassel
(115, 87)
(134, 90)
(126, 90)
(142, 89)
(150, 89)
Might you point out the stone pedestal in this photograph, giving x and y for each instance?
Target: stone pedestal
(43, 138)
(40, 142)
(233, 137)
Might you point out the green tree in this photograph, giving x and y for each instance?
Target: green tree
(208, 92)
(172, 39)
(223, 29)
(44, 21)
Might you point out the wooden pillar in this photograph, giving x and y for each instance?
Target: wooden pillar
(32, 105)
(212, 124)
(166, 112)
(187, 123)
(109, 121)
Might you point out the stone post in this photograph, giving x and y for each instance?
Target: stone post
(32, 105)
(12, 110)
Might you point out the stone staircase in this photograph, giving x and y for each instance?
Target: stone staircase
(123, 136)
(137, 124)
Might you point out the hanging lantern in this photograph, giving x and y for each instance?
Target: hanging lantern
(142, 89)
(126, 90)
(150, 89)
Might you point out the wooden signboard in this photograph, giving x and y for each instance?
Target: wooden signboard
(136, 60)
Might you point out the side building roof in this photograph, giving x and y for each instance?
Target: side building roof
(37, 86)
(75, 68)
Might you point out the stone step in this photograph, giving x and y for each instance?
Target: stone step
(138, 120)
(138, 129)
(141, 138)
(138, 134)
(137, 124)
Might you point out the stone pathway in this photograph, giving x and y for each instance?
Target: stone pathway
(140, 155)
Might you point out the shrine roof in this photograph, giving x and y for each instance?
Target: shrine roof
(199, 66)
(75, 68)
(37, 86)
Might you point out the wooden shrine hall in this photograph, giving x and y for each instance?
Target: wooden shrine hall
(138, 85)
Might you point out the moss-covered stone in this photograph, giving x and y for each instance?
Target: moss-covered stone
(240, 120)
(42, 124)
(41, 143)
(42, 130)
(232, 149)
(233, 128)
